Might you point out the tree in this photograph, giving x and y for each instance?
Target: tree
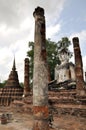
(21, 84)
(52, 57)
(3, 84)
(30, 54)
(52, 49)
(65, 43)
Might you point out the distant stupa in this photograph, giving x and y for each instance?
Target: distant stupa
(13, 78)
(12, 90)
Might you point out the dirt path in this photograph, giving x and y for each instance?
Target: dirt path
(18, 122)
(21, 121)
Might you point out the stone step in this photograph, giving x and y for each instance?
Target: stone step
(71, 106)
(75, 110)
(67, 101)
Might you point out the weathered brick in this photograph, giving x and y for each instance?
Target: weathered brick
(78, 65)
(26, 77)
(40, 75)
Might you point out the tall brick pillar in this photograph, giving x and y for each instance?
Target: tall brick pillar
(78, 65)
(85, 76)
(26, 77)
(40, 74)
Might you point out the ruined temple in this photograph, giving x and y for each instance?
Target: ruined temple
(64, 101)
(41, 100)
(69, 101)
(12, 90)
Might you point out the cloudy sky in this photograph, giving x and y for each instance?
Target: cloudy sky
(63, 18)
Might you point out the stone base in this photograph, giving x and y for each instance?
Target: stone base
(81, 92)
(40, 118)
(40, 125)
(68, 102)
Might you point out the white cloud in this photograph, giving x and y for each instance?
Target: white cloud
(53, 10)
(52, 30)
(26, 24)
(17, 29)
(82, 40)
(6, 31)
(81, 35)
(13, 12)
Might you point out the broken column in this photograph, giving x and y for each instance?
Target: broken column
(40, 74)
(85, 76)
(26, 78)
(78, 65)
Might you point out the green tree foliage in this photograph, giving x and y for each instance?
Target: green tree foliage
(52, 57)
(3, 84)
(52, 54)
(65, 43)
(30, 54)
(22, 84)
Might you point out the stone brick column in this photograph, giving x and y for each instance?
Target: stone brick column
(40, 75)
(26, 77)
(49, 76)
(85, 76)
(78, 65)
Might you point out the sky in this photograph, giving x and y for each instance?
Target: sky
(64, 18)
